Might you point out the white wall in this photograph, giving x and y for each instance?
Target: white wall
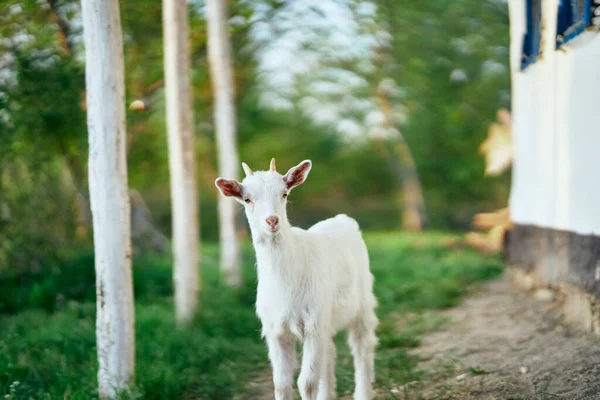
(556, 128)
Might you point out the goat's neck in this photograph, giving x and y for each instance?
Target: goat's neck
(274, 253)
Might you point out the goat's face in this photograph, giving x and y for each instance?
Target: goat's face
(264, 195)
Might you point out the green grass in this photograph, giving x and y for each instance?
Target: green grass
(48, 346)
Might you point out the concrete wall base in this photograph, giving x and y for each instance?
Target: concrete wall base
(559, 264)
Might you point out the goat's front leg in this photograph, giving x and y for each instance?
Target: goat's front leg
(282, 353)
(313, 361)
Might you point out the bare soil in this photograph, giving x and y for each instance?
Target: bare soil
(500, 344)
(506, 344)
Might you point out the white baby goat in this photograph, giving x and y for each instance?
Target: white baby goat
(311, 284)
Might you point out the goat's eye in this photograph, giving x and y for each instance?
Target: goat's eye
(247, 200)
(284, 195)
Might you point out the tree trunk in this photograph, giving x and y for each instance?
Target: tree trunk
(413, 213)
(182, 165)
(219, 53)
(64, 28)
(109, 194)
(73, 168)
(411, 196)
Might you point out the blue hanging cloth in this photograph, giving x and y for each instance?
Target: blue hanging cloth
(533, 35)
(574, 16)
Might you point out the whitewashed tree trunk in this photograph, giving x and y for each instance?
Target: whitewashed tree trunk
(180, 131)
(109, 194)
(219, 53)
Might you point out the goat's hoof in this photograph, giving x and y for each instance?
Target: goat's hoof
(308, 390)
(284, 393)
(369, 395)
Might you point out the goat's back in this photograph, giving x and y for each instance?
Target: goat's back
(343, 237)
(349, 258)
(341, 224)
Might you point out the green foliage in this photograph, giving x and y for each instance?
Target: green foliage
(50, 94)
(51, 284)
(448, 120)
(37, 213)
(52, 355)
(42, 118)
(414, 274)
(478, 371)
(43, 89)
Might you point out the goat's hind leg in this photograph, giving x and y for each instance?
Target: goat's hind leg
(362, 341)
(327, 390)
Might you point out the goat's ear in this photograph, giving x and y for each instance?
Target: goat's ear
(297, 175)
(229, 188)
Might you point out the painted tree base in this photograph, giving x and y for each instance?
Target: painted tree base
(565, 262)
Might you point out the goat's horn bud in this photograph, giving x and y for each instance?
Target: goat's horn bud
(247, 169)
(272, 168)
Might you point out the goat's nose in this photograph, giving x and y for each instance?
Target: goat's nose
(272, 221)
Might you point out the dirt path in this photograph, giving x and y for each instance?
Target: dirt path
(503, 344)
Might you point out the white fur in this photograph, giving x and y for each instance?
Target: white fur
(311, 284)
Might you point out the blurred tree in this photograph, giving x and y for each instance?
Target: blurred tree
(109, 195)
(181, 158)
(450, 58)
(402, 163)
(42, 134)
(448, 65)
(219, 53)
(342, 82)
(43, 85)
(445, 63)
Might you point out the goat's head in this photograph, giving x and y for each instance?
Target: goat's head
(264, 195)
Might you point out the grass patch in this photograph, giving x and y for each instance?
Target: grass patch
(414, 274)
(477, 371)
(48, 347)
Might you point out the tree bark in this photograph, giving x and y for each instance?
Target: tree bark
(109, 194)
(180, 131)
(219, 52)
(411, 196)
(413, 213)
(64, 28)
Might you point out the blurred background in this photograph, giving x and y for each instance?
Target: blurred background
(351, 85)
(390, 100)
